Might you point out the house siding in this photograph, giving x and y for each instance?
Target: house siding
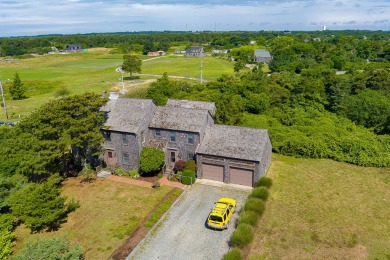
(116, 144)
(266, 158)
(181, 144)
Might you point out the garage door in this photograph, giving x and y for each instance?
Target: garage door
(241, 176)
(212, 172)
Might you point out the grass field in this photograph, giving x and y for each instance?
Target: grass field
(321, 209)
(188, 67)
(92, 72)
(109, 212)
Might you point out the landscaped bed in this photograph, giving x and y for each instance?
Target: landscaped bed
(109, 213)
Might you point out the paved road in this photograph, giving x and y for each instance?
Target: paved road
(183, 234)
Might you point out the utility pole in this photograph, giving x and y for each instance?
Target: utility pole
(123, 84)
(2, 95)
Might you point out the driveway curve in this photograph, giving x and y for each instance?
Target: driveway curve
(182, 234)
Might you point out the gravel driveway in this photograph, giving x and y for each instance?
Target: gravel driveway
(183, 235)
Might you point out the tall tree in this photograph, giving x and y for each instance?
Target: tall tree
(39, 145)
(131, 64)
(17, 89)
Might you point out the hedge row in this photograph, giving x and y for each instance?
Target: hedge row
(253, 209)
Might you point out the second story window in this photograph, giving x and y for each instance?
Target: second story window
(157, 132)
(190, 138)
(124, 139)
(172, 136)
(107, 135)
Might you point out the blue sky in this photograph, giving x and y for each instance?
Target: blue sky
(24, 18)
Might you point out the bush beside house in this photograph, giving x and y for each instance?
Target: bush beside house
(252, 211)
(151, 160)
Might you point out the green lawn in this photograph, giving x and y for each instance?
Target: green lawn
(109, 212)
(188, 66)
(321, 209)
(91, 72)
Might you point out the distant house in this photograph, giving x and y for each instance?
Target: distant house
(195, 52)
(262, 55)
(180, 52)
(156, 53)
(184, 130)
(219, 52)
(73, 48)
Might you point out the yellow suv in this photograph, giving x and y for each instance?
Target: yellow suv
(221, 213)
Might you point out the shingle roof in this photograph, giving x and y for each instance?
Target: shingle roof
(176, 118)
(234, 142)
(195, 49)
(262, 53)
(125, 114)
(210, 106)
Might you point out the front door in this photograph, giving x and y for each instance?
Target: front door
(110, 157)
(172, 158)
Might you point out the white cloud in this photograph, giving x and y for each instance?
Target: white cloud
(83, 16)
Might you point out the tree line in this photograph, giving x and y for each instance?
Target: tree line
(369, 44)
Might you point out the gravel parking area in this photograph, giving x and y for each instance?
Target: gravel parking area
(182, 234)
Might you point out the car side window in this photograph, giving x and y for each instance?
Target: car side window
(228, 212)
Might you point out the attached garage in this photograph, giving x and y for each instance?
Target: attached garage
(241, 176)
(212, 172)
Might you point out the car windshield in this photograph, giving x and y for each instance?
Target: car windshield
(216, 218)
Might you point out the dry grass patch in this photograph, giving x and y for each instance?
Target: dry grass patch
(109, 212)
(321, 209)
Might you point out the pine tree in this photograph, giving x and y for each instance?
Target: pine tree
(17, 89)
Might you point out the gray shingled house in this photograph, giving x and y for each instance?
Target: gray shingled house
(184, 130)
(73, 48)
(262, 55)
(195, 52)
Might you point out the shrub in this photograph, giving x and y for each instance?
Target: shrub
(151, 160)
(264, 182)
(188, 177)
(242, 236)
(160, 175)
(179, 165)
(88, 174)
(7, 235)
(260, 193)
(191, 165)
(248, 217)
(255, 204)
(172, 178)
(51, 248)
(39, 205)
(133, 174)
(72, 205)
(120, 172)
(233, 254)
